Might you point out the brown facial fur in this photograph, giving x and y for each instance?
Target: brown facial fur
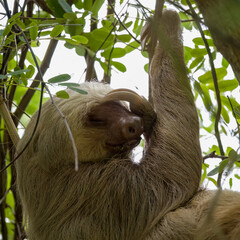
(110, 197)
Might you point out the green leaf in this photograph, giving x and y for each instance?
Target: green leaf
(87, 5)
(184, 16)
(80, 39)
(31, 71)
(124, 37)
(225, 115)
(18, 72)
(56, 8)
(232, 155)
(225, 85)
(56, 31)
(187, 54)
(107, 24)
(104, 66)
(199, 41)
(223, 130)
(70, 16)
(75, 27)
(78, 90)
(66, 7)
(96, 6)
(221, 73)
(223, 165)
(204, 93)
(230, 182)
(131, 46)
(33, 30)
(127, 25)
(80, 51)
(7, 30)
(237, 111)
(204, 172)
(237, 176)
(62, 94)
(225, 63)
(20, 24)
(213, 172)
(15, 16)
(44, 33)
(121, 67)
(195, 62)
(69, 84)
(59, 78)
(78, 4)
(212, 180)
(207, 77)
(3, 76)
(137, 28)
(101, 34)
(226, 102)
(115, 53)
(198, 52)
(146, 68)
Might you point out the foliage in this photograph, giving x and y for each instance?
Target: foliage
(105, 32)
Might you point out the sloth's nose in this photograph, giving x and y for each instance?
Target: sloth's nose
(132, 127)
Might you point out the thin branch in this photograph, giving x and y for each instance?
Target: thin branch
(214, 155)
(215, 81)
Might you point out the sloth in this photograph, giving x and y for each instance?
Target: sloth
(111, 197)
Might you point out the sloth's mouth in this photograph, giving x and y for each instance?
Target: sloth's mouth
(125, 146)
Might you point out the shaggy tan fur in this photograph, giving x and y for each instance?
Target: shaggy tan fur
(110, 197)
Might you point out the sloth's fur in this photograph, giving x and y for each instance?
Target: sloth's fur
(110, 197)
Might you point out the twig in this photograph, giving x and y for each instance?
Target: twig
(214, 155)
(215, 81)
